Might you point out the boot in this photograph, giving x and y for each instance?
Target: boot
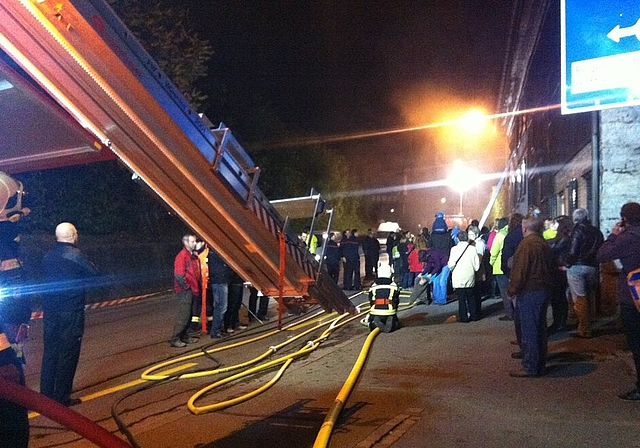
(581, 307)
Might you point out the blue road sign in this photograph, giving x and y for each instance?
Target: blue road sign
(600, 54)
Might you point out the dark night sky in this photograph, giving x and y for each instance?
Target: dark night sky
(336, 67)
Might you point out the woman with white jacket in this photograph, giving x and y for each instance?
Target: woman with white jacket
(464, 262)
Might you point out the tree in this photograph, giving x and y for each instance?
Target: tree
(163, 30)
(102, 198)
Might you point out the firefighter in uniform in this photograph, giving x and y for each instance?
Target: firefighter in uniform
(384, 298)
(14, 421)
(15, 312)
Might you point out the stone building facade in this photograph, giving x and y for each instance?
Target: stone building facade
(560, 162)
(619, 161)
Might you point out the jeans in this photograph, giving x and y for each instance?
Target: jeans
(532, 310)
(220, 292)
(408, 279)
(582, 280)
(503, 283)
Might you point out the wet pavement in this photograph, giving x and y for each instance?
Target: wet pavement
(445, 384)
(432, 383)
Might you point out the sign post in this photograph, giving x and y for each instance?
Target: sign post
(600, 54)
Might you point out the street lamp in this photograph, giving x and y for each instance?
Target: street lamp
(462, 178)
(473, 122)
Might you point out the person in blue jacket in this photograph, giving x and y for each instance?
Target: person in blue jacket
(68, 274)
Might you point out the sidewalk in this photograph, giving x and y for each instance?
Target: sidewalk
(448, 385)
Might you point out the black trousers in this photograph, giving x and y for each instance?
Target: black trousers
(370, 265)
(467, 305)
(263, 305)
(14, 421)
(334, 270)
(351, 278)
(234, 301)
(63, 332)
(631, 324)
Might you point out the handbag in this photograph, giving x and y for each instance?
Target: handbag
(465, 249)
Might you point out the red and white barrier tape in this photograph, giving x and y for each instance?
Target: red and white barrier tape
(93, 306)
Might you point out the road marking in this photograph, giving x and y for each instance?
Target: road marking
(390, 432)
(134, 383)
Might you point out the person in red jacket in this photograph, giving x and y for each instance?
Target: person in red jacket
(186, 273)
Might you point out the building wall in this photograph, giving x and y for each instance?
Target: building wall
(620, 162)
(574, 169)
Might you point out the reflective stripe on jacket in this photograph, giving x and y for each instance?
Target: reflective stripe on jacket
(384, 299)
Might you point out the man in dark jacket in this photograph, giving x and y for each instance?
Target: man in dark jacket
(349, 250)
(511, 242)
(219, 276)
(392, 241)
(624, 244)
(582, 272)
(332, 257)
(67, 274)
(371, 249)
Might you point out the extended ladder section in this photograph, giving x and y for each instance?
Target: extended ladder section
(84, 57)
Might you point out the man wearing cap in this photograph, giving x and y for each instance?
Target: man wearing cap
(582, 269)
(441, 243)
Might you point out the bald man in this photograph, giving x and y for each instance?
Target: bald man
(67, 273)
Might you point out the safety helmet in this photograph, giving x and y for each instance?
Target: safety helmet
(384, 270)
(439, 215)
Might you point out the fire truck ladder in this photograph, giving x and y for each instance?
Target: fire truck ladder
(84, 57)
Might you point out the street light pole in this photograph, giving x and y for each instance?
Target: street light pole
(461, 178)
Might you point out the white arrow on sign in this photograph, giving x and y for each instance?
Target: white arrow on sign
(618, 33)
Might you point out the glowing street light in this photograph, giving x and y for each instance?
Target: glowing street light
(462, 178)
(473, 122)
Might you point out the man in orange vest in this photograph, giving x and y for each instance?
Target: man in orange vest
(201, 312)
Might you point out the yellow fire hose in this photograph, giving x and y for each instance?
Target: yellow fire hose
(324, 435)
(286, 359)
(148, 376)
(333, 324)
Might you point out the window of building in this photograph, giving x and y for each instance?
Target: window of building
(561, 205)
(572, 195)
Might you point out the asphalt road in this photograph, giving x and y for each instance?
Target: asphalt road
(431, 383)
